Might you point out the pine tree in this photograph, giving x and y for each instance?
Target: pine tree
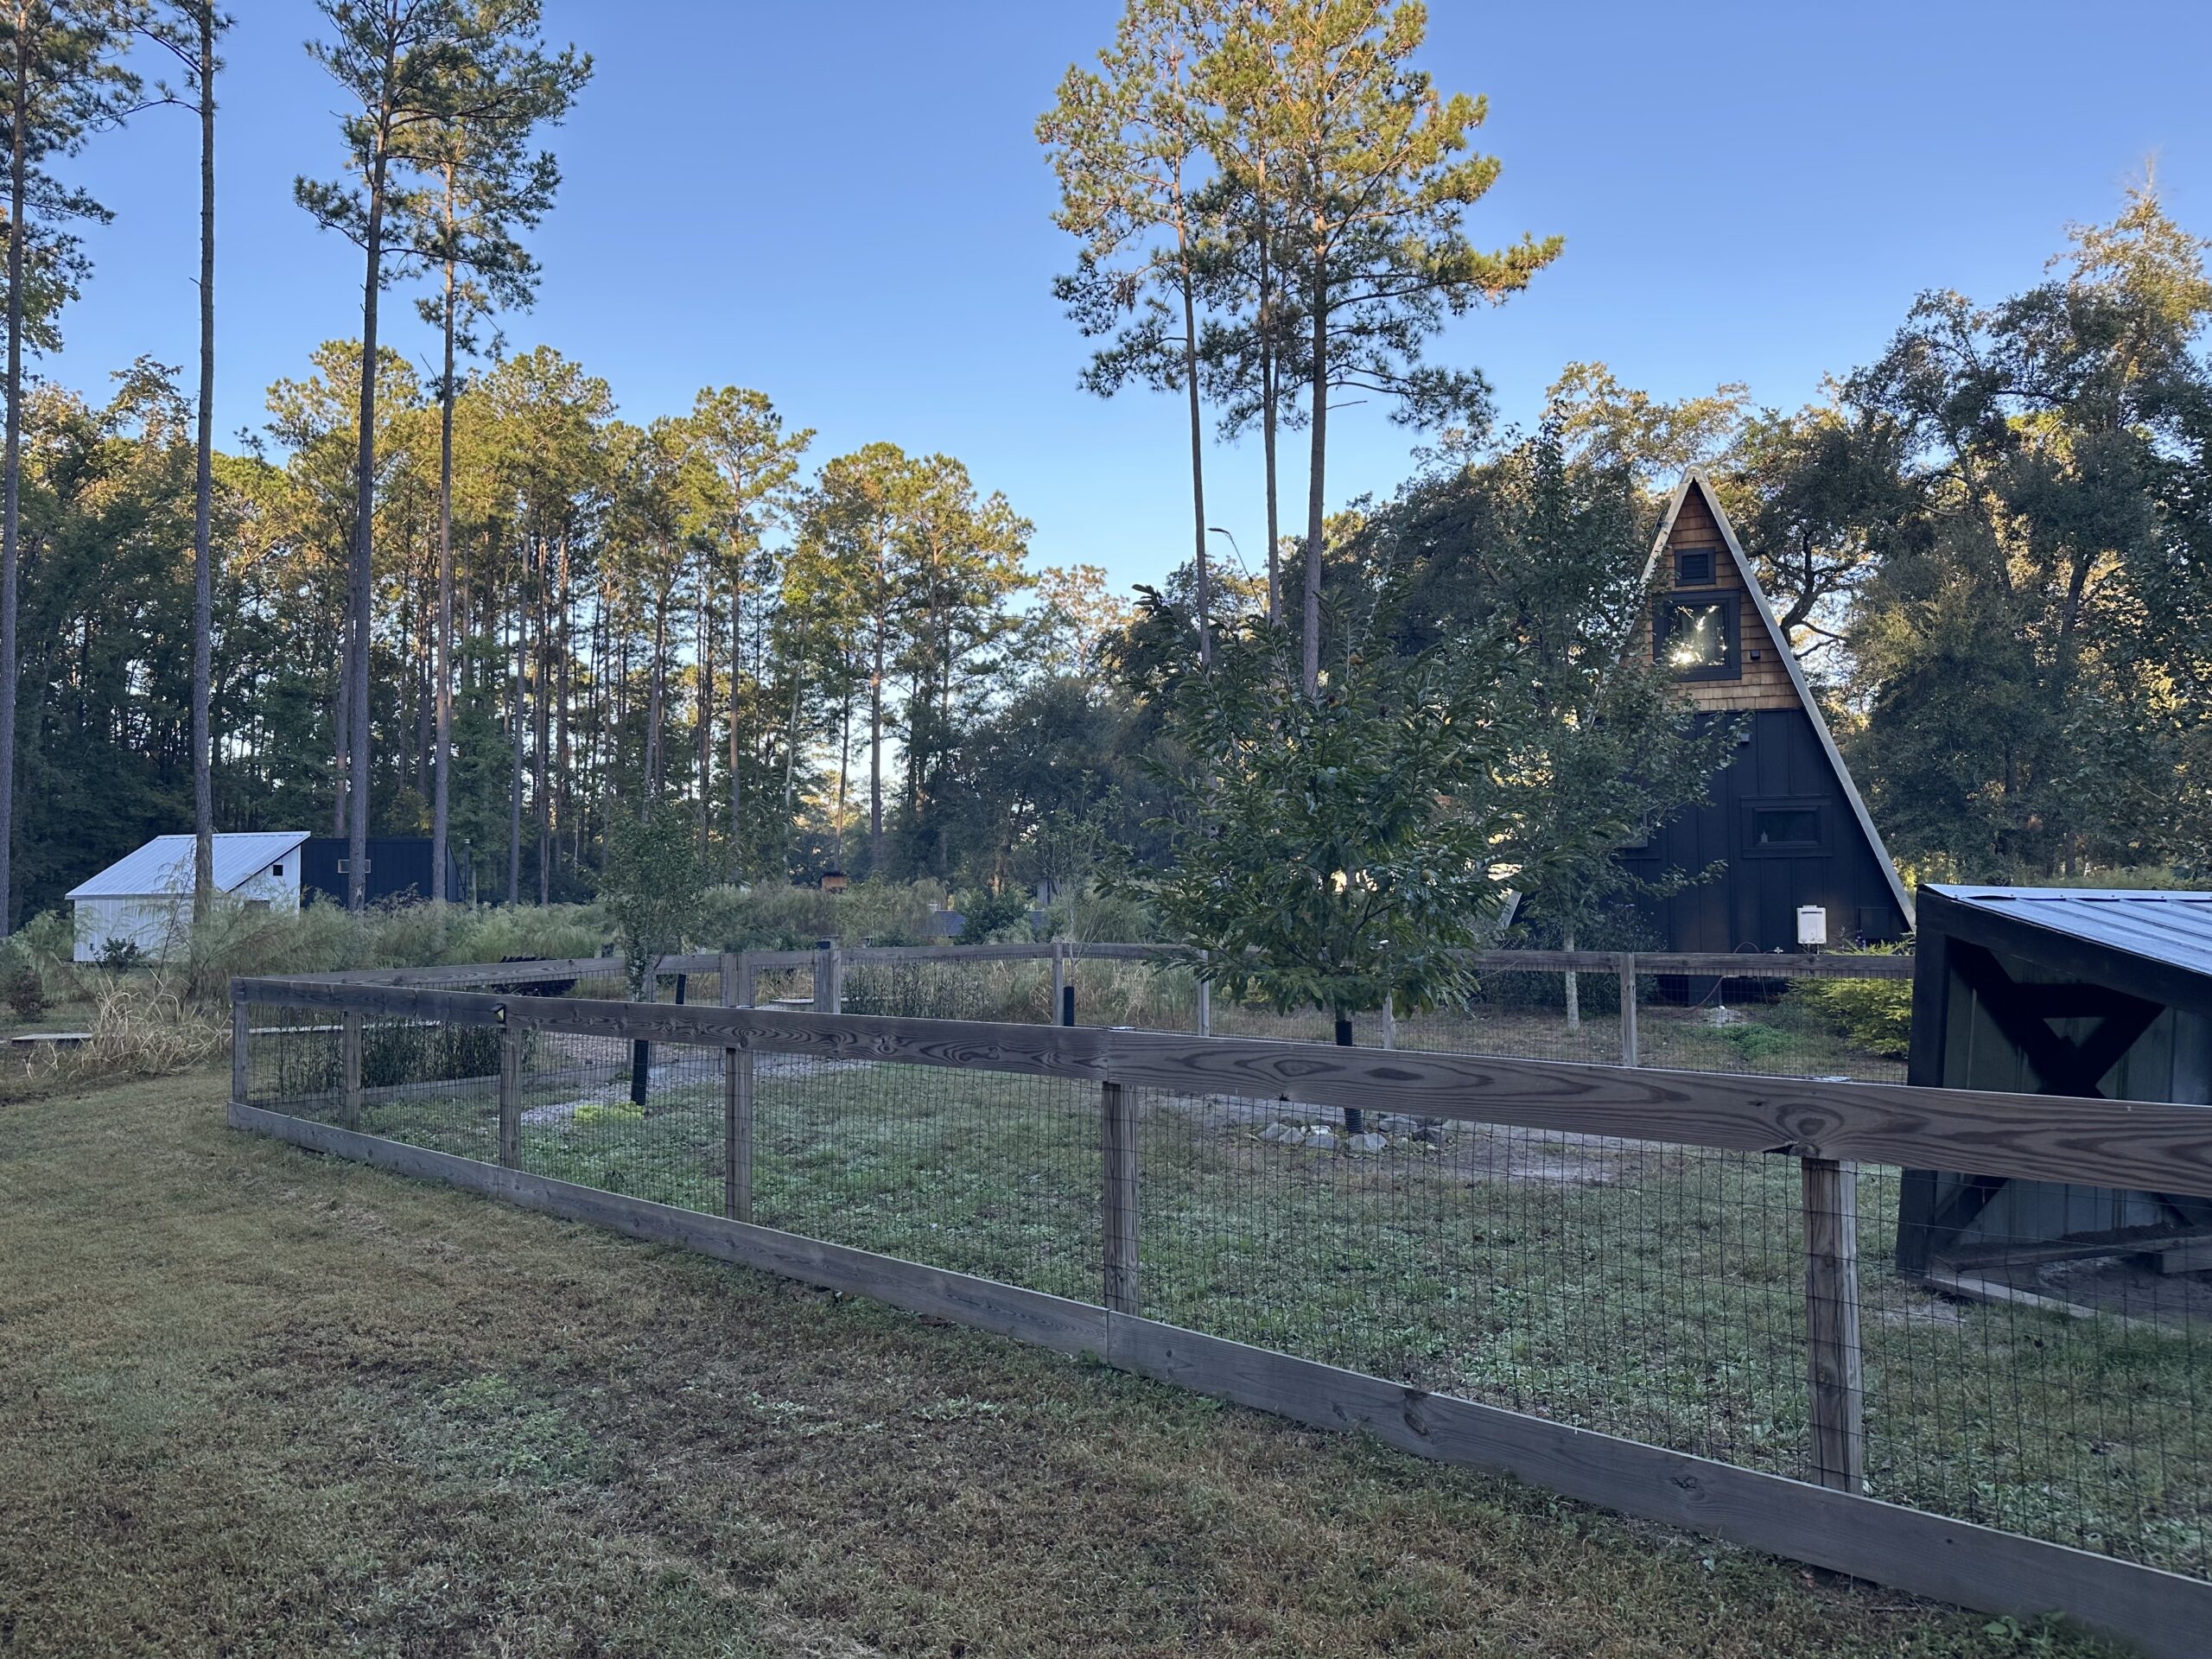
(60, 80)
(1380, 177)
(1129, 144)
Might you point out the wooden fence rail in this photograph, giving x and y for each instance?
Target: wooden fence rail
(1827, 1127)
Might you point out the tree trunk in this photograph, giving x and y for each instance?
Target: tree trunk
(875, 757)
(736, 682)
(1270, 398)
(1198, 464)
(11, 519)
(359, 578)
(706, 711)
(514, 751)
(442, 742)
(203, 504)
(1316, 485)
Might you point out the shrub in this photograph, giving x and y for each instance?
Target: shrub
(1874, 1015)
(120, 956)
(24, 987)
(781, 918)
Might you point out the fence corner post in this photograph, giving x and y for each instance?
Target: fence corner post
(1629, 1044)
(349, 1060)
(1833, 1380)
(241, 1063)
(737, 1095)
(1117, 1136)
(510, 1093)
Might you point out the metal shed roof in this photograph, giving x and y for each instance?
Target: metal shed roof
(163, 865)
(2164, 939)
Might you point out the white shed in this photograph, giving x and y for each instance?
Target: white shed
(145, 898)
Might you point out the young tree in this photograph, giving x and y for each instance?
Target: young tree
(1129, 144)
(487, 184)
(60, 80)
(1547, 556)
(1337, 852)
(1380, 178)
(188, 32)
(651, 887)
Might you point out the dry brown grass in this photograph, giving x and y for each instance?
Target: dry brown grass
(257, 1402)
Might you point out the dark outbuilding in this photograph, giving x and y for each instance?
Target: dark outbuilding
(2058, 991)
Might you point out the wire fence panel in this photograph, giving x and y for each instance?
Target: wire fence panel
(1641, 1289)
(2052, 1386)
(2046, 1376)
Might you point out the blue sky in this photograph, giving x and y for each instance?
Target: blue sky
(842, 204)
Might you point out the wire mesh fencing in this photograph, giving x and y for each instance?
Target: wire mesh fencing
(1756, 1308)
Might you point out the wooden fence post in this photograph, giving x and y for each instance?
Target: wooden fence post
(1629, 1042)
(1117, 1139)
(1205, 1002)
(241, 1063)
(1059, 982)
(509, 1094)
(349, 1064)
(641, 1052)
(1833, 1379)
(1390, 1020)
(737, 1095)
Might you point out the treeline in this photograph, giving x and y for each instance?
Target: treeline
(483, 606)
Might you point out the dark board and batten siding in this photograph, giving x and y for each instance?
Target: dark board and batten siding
(1753, 902)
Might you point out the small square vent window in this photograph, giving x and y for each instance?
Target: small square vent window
(1693, 569)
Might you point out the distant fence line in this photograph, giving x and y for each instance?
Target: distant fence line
(1675, 1252)
(827, 965)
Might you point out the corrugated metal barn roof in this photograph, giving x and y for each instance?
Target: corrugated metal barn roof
(163, 865)
(2171, 928)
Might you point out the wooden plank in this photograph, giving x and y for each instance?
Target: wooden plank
(1630, 1054)
(398, 1001)
(1049, 1321)
(2163, 1613)
(1975, 1567)
(1835, 1389)
(1117, 1140)
(737, 1098)
(455, 975)
(241, 1051)
(349, 1060)
(511, 1097)
(2194, 1256)
(2158, 1145)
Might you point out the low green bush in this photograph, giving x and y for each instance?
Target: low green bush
(1874, 1015)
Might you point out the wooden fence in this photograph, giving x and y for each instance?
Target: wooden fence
(1824, 1126)
(827, 964)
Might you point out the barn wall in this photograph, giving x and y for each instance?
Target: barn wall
(2172, 1061)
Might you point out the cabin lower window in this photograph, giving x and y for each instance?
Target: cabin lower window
(1785, 829)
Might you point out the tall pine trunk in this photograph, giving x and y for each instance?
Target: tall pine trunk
(441, 741)
(1316, 482)
(358, 575)
(1198, 460)
(203, 504)
(11, 517)
(736, 753)
(875, 757)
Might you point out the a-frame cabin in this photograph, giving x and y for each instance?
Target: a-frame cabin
(1782, 815)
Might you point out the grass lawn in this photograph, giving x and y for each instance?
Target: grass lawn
(254, 1401)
